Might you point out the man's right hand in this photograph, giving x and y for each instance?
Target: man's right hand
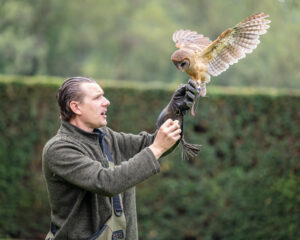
(167, 135)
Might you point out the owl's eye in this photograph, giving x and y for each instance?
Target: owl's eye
(184, 64)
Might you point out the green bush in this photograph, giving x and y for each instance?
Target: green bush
(243, 185)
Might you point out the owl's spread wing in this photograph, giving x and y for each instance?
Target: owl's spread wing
(190, 40)
(234, 43)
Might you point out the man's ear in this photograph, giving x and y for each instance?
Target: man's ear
(74, 105)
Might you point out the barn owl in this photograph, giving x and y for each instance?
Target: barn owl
(200, 58)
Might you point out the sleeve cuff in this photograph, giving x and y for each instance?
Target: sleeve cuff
(153, 160)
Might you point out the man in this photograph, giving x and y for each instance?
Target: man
(91, 171)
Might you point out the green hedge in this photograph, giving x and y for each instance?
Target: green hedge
(244, 184)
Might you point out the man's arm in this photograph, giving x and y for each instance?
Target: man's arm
(128, 144)
(66, 160)
(181, 101)
(70, 162)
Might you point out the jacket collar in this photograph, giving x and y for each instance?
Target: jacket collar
(78, 133)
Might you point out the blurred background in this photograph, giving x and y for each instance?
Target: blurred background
(131, 40)
(245, 183)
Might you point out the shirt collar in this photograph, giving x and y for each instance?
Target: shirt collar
(101, 134)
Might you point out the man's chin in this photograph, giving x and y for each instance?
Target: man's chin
(102, 124)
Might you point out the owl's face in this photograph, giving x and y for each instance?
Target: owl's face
(181, 60)
(182, 66)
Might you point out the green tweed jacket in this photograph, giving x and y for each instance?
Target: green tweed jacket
(79, 184)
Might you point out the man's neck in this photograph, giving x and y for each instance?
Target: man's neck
(76, 122)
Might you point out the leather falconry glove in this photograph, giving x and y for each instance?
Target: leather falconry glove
(180, 103)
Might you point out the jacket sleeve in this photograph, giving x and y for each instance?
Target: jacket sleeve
(129, 144)
(71, 163)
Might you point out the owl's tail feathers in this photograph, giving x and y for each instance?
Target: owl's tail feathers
(189, 150)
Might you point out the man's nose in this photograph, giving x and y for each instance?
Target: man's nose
(106, 102)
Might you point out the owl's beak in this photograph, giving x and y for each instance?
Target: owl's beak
(180, 68)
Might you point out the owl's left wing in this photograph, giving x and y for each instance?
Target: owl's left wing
(234, 43)
(190, 40)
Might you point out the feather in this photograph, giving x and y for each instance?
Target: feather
(238, 41)
(190, 40)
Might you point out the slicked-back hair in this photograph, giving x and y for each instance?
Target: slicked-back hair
(70, 91)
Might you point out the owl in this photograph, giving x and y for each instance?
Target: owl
(200, 58)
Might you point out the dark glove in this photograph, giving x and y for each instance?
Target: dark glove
(181, 101)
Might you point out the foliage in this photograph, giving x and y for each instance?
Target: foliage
(131, 40)
(244, 184)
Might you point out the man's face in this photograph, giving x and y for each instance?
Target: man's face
(93, 106)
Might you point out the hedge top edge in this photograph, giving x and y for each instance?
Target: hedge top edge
(154, 85)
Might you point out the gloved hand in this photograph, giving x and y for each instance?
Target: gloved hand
(181, 101)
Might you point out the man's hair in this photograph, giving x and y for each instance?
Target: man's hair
(70, 91)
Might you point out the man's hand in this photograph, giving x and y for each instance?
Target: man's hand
(184, 96)
(167, 135)
(181, 101)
